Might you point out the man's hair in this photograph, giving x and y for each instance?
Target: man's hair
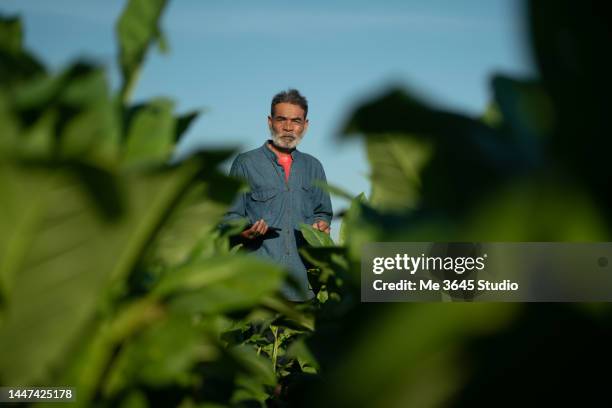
(291, 96)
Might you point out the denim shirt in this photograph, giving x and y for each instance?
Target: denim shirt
(283, 205)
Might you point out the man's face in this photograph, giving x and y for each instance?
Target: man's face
(288, 125)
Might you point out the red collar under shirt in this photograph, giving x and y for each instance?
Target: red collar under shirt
(285, 161)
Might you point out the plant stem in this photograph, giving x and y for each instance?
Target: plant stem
(275, 349)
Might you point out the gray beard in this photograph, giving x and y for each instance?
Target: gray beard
(285, 143)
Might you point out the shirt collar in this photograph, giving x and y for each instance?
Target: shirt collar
(272, 156)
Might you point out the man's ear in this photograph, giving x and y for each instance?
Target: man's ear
(305, 125)
(269, 121)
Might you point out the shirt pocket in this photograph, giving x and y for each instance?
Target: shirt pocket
(262, 203)
(307, 205)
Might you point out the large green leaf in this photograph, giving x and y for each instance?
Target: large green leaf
(68, 116)
(332, 189)
(55, 270)
(395, 170)
(568, 41)
(191, 232)
(349, 217)
(65, 255)
(541, 209)
(526, 115)
(137, 29)
(11, 34)
(526, 109)
(163, 354)
(315, 237)
(150, 134)
(330, 279)
(409, 353)
(154, 195)
(458, 157)
(219, 284)
(254, 364)
(16, 65)
(288, 312)
(183, 122)
(64, 263)
(87, 360)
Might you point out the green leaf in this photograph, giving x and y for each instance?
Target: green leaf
(396, 163)
(189, 231)
(525, 108)
(11, 34)
(492, 116)
(539, 210)
(183, 123)
(153, 195)
(248, 389)
(380, 376)
(400, 112)
(466, 158)
(332, 273)
(289, 313)
(298, 349)
(567, 40)
(135, 399)
(53, 284)
(137, 29)
(163, 354)
(150, 133)
(333, 189)
(527, 116)
(255, 365)
(327, 258)
(315, 237)
(322, 295)
(69, 116)
(86, 362)
(349, 216)
(219, 284)
(16, 65)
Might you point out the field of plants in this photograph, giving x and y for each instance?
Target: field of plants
(116, 280)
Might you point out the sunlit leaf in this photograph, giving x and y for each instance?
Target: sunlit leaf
(219, 284)
(315, 237)
(150, 133)
(137, 29)
(395, 170)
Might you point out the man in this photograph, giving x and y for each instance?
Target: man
(283, 193)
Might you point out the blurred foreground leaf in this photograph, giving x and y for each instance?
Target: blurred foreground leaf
(315, 237)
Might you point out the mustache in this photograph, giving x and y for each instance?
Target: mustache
(293, 135)
(285, 138)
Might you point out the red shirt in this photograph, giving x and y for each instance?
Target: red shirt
(285, 161)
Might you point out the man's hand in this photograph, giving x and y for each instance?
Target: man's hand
(321, 226)
(257, 230)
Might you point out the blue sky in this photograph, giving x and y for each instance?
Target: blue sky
(232, 57)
